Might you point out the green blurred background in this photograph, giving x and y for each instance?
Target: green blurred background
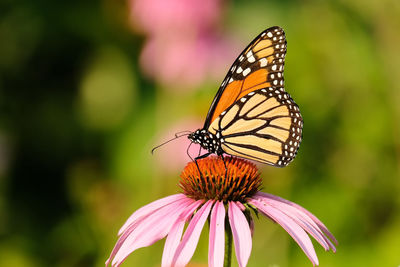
(82, 104)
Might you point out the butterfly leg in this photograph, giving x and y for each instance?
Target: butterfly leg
(201, 157)
(223, 160)
(187, 151)
(198, 157)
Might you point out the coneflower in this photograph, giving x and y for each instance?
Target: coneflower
(226, 196)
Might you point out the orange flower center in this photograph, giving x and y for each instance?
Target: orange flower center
(235, 180)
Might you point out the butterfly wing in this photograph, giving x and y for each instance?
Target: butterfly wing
(260, 65)
(265, 125)
(253, 114)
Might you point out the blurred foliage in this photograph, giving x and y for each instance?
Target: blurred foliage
(78, 120)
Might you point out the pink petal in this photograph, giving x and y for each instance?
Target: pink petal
(150, 229)
(312, 216)
(297, 233)
(186, 248)
(174, 236)
(303, 220)
(134, 225)
(241, 233)
(149, 208)
(216, 248)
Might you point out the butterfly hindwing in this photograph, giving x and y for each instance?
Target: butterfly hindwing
(264, 125)
(259, 66)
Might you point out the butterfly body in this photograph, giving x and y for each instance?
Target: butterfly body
(252, 116)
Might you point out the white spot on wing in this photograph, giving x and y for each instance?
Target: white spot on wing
(251, 59)
(246, 71)
(263, 62)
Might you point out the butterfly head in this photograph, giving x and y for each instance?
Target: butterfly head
(206, 140)
(198, 136)
(194, 136)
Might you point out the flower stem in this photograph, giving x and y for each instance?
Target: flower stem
(228, 245)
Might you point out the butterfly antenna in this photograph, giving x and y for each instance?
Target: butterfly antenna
(177, 135)
(185, 133)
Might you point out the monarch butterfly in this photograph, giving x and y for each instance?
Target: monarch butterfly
(251, 115)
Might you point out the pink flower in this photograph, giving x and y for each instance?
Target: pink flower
(216, 194)
(184, 46)
(156, 16)
(179, 61)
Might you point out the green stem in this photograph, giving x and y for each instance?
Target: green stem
(228, 245)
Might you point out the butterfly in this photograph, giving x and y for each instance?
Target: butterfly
(252, 116)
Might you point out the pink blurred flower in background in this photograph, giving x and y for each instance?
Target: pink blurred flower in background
(216, 194)
(184, 47)
(173, 155)
(175, 16)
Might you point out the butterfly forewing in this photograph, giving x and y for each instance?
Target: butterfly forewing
(259, 66)
(252, 113)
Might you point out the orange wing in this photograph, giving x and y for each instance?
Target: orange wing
(260, 65)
